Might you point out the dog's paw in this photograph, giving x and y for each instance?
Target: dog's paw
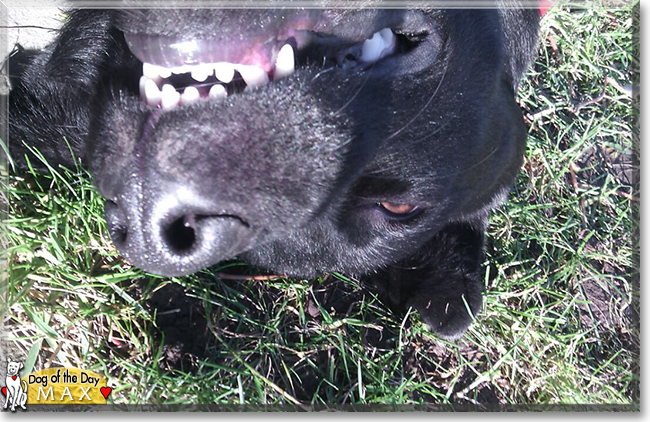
(447, 303)
(443, 282)
(448, 307)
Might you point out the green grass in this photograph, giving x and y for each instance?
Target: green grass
(560, 319)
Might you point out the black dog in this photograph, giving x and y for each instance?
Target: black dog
(304, 141)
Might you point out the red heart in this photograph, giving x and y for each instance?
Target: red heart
(14, 378)
(4, 391)
(105, 391)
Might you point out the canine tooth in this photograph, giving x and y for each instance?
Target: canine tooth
(371, 49)
(170, 98)
(190, 96)
(253, 76)
(387, 36)
(285, 63)
(201, 72)
(224, 72)
(150, 92)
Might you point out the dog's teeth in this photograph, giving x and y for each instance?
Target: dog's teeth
(143, 83)
(387, 36)
(253, 76)
(285, 63)
(190, 96)
(201, 72)
(380, 45)
(150, 92)
(164, 72)
(217, 92)
(151, 71)
(155, 73)
(181, 69)
(170, 98)
(224, 72)
(372, 48)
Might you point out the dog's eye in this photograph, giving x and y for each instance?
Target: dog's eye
(397, 210)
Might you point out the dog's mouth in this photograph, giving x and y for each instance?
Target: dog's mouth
(185, 72)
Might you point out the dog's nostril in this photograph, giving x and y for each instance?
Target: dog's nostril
(118, 234)
(180, 235)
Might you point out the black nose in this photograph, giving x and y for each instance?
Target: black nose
(175, 236)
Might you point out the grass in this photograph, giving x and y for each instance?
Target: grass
(560, 321)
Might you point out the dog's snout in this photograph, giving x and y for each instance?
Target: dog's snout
(174, 233)
(116, 222)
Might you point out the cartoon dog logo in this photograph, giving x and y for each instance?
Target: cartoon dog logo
(16, 394)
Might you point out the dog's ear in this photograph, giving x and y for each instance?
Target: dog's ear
(37, 114)
(49, 107)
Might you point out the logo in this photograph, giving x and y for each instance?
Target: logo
(15, 389)
(53, 386)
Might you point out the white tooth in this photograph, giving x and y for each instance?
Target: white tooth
(164, 72)
(143, 82)
(170, 97)
(201, 72)
(217, 92)
(387, 36)
(253, 76)
(181, 69)
(371, 49)
(150, 71)
(150, 91)
(285, 63)
(224, 72)
(390, 42)
(190, 96)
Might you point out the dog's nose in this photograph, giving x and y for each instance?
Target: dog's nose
(175, 234)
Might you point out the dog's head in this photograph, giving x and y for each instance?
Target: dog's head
(13, 367)
(304, 140)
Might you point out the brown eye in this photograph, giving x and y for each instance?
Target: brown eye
(398, 209)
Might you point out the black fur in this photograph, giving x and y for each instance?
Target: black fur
(290, 177)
